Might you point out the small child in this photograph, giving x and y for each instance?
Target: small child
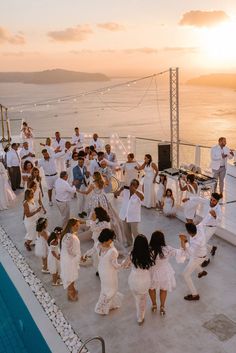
(108, 268)
(162, 273)
(161, 190)
(54, 256)
(168, 203)
(41, 246)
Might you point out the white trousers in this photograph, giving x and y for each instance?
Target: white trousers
(140, 302)
(209, 232)
(194, 264)
(64, 209)
(82, 200)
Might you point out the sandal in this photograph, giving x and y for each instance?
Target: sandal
(162, 311)
(27, 246)
(154, 308)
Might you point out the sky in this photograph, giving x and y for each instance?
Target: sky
(119, 37)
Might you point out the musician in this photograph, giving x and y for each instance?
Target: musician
(81, 181)
(106, 173)
(110, 156)
(219, 156)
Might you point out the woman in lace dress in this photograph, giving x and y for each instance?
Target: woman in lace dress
(26, 173)
(98, 198)
(41, 245)
(139, 278)
(129, 170)
(190, 205)
(70, 258)
(149, 180)
(6, 193)
(162, 274)
(108, 268)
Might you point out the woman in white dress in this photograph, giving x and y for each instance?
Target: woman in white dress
(161, 190)
(129, 170)
(169, 204)
(54, 256)
(99, 221)
(70, 258)
(37, 195)
(162, 273)
(35, 176)
(140, 278)
(108, 268)
(149, 180)
(6, 192)
(30, 217)
(41, 245)
(190, 205)
(26, 173)
(98, 198)
(27, 134)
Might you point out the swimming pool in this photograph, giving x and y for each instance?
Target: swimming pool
(18, 331)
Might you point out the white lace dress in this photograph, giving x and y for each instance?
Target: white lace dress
(108, 267)
(168, 208)
(6, 193)
(70, 259)
(148, 187)
(30, 222)
(190, 206)
(41, 246)
(130, 172)
(53, 262)
(162, 273)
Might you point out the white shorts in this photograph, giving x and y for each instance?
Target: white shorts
(50, 181)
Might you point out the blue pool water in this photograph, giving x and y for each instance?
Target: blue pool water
(18, 331)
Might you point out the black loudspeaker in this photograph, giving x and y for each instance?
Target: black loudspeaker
(164, 161)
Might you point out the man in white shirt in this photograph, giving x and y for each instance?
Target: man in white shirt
(26, 153)
(196, 250)
(219, 155)
(58, 145)
(77, 140)
(130, 212)
(63, 194)
(110, 156)
(96, 143)
(48, 163)
(95, 163)
(13, 166)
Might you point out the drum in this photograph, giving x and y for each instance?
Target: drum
(115, 184)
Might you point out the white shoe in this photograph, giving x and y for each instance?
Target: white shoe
(45, 271)
(50, 203)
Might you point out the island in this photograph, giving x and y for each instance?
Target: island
(51, 76)
(215, 80)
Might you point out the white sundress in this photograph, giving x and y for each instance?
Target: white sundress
(160, 192)
(191, 205)
(108, 267)
(70, 259)
(30, 222)
(168, 209)
(149, 187)
(162, 273)
(41, 246)
(6, 193)
(53, 262)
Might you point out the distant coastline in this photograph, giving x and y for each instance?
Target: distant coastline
(51, 77)
(215, 80)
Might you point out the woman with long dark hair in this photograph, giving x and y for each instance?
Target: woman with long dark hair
(162, 274)
(149, 180)
(139, 278)
(70, 257)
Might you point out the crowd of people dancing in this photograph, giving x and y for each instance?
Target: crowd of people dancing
(90, 175)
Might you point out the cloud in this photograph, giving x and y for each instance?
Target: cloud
(72, 34)
(20, 53)
(203, 18)
(90, 51)
(184, 50)
(7, 37)
(144, 50)
(111, 26)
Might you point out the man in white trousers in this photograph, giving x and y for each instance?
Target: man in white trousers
(195, 247)
(63, 194)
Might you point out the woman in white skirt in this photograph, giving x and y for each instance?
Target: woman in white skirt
(54, 256)
(161, 190)
(130, 171)
(41, 245)
(99, 221)
(108, 268)
(149, 180)
(26, 173)
(190, 205)
(30, 217)
(37, 195)
(70, 258)
(35, 176)
(162, 274)
(140, 278)
(6, 192)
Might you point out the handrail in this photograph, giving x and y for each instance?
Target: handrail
(99, 338)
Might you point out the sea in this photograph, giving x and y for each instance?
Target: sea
(137, 108)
